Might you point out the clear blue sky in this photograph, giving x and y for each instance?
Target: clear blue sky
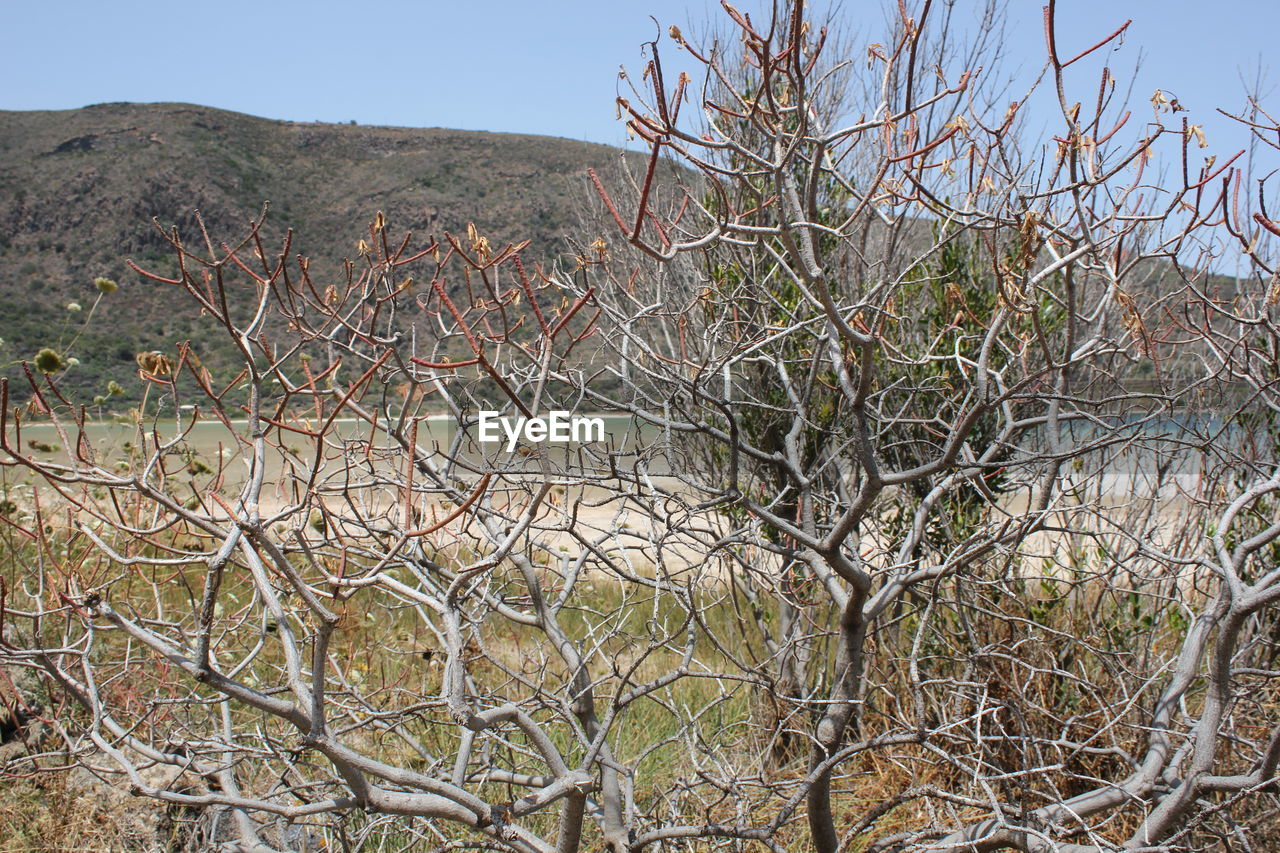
(537, 66)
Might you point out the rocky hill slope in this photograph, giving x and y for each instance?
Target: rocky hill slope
(79, 190)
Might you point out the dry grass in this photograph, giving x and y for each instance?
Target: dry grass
(57, 811)
(1044, 617)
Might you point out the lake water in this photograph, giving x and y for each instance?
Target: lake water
(210, 441)
(216, 445)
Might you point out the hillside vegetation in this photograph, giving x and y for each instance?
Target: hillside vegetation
(79, 190)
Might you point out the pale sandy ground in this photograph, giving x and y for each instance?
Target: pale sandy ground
(1121, 518)
(681, 539)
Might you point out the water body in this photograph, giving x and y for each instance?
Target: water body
(212, 445)
(217, 447)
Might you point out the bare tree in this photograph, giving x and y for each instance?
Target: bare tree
(937, 372)
(912, 530)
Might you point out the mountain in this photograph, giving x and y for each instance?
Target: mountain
(79, 189)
